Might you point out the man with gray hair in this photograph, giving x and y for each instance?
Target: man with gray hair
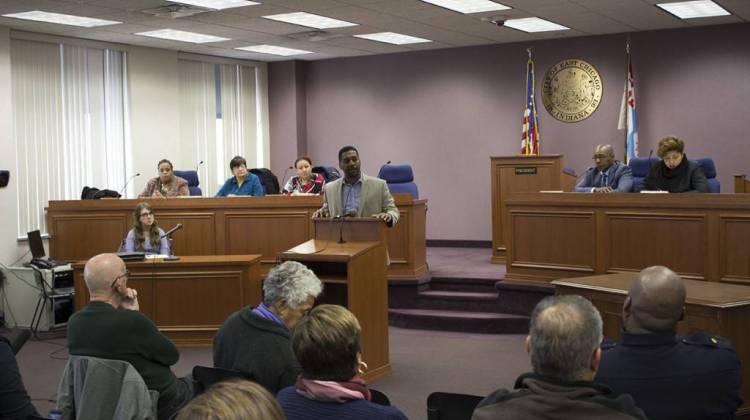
(607, 175)
(256, 341)
(563, 343)
(670, 377)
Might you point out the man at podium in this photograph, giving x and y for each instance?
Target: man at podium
(608, 175)
(357, 194)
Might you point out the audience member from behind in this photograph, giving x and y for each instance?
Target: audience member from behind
(15, 403)
(608, 175)
(256, 341)
(675, 172)
(670, 377)
(327, 345)
(357, 194)
(242, 182)
(306, 181)
(167, 184)
(111, 327)
(146, 234)
(563, 343)
(233, 400)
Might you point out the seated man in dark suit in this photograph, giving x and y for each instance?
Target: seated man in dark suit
(14, 401)
(563, 343)
(670, 377)
(111, 327)
(608, 175)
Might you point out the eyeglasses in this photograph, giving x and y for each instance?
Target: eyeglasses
(148, 213)
(123, 275)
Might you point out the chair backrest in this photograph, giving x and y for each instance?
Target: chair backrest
(330, 173)
(379, 398)
(268, 180)
(449, 406)
(205, 376)
(192, 178)
(400, 179)
(640, 167)
(103, 388)
(709, 169)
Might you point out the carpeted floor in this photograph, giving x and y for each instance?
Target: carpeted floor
(422, 362)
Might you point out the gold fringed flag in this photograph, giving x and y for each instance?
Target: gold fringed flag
(530, 131)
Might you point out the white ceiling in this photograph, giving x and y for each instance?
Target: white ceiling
(446, 28)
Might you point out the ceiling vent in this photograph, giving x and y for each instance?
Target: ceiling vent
(175, 11)
(314, 36)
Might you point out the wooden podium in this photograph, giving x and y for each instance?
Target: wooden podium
(354, 275)
(512, 174)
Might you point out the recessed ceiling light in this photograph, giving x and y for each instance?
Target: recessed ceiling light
(393, 38)
(62, 19)
(218, 4)
(534, 24)
(694, 9)
(468, 6)
(273, 49)
(184, 36)
(310, 20)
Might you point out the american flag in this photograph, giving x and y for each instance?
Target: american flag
(530, 131)
(628, 114)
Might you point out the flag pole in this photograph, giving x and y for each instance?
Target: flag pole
(527, 146)
(627, 84)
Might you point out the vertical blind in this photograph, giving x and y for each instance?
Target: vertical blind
(218, 118)
(70, 123)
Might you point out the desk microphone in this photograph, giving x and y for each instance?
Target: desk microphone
(128, 182)
(171, 231)
(198, 166)
(347, 214)
(283, 178)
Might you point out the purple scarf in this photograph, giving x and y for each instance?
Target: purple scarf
(331, 391)
(263, 312)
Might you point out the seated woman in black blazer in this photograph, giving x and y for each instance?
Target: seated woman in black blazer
(675, 173)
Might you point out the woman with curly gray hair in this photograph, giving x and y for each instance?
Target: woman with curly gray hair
(256, 340)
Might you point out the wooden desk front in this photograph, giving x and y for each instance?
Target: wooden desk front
(720, 309)
(80, 229)
(559, 235)
(353, 274)
(190, 298)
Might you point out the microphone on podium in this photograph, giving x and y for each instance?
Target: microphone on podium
(128, 182)
(198, 166)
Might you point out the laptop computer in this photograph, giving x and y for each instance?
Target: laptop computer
(38, 256)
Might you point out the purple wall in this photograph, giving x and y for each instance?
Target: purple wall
(447, 111)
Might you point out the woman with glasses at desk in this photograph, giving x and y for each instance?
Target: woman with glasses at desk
(146, 235)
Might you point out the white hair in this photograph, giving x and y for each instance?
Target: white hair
(290, 281)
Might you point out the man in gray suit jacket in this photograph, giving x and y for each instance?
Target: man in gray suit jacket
(608, 176)
(357, 194)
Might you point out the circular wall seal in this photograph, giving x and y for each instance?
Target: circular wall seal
(572, 90)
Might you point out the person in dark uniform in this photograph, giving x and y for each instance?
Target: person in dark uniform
(669, 376)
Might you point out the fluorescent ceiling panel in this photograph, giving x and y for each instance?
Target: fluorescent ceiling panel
(694, 9)
(184, 36)
(273, 49)
(469, 6)
(218, 4)
(534, 24)
(393, 38)
(62, 19)
(310, 20)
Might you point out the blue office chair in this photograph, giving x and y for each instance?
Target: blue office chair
(640, 166)
(192, 178)
(709, 169)
(400, 179)
(329, 173)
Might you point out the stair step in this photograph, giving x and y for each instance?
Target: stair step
(463, 296)
(463, 284)
(461, 321)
